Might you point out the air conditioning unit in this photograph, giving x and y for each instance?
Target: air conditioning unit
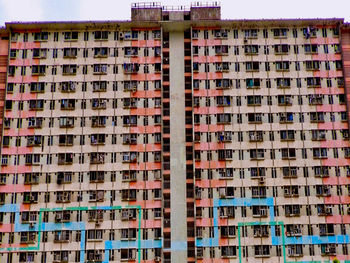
(261, 180)
(157, 259)
(31, 224)
(121, 35)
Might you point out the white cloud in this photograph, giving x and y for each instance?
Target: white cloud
(22, 10)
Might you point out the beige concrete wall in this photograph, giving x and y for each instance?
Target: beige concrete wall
(177, 148)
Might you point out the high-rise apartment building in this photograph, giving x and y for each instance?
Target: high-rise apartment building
(175, 137)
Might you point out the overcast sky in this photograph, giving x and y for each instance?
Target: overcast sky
(63, 10)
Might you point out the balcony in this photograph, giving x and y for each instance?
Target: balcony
(281, 49)
(33, 141)
(70, 52)
(130, 138)
(62, 216)
(65, 140)
(285, 100)
(130, 157)
(100, 52)
(130, 86)
(97, 176)
(129, 103)
(131, 51)
(257, 154)
(130, 120)
(223, 101)
(292, 210)
(68, 87)
(315, 99)
(252, 66)
(312, 65)
(282, 66)
(318, 135)
(290, 172)
(71, 36)
(251, 50)
(255, 118)
(260, 211)
(255, 136)
(100, 69)
(69, 70)
(287, 135)
(222, 67)
(65, 158)
(99, 104)
(261, 231)
(67, 104)
(283, 83)
(97, 158)
(98, 121)
(291, 191)
(286, 117)
(223, 136)
(280, 33)
(221, 50)
(222, 83)
(224, 118)
(254, 100)
(131, 68)
(40, 53)
(66, 122)
(311, 49)
(99, 86)
(313, 82)
(253, 83)
(63, 236)
(36, 104)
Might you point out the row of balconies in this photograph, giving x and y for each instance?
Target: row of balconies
(262, 211)
(278, 33)
(264, 251)
(254, 66)
(261, 231)
(221, 155)
(73, 52)
(71, 86)
(93, 196)
(259, 154)
(279, 49)
(98, 69)
(92, 256)
(68, 139)
(101, 86)
(67, 177)
(73, 36)
(257, 100)
(256, 83)
(261, 191)
(284, 117)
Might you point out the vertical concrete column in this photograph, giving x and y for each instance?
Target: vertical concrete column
(177, 148)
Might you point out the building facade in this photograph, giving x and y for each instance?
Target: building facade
(175, 137)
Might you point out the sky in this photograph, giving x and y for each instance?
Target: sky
(75, 10)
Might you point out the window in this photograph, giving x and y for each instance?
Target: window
(69, 69)
(41, 36)
(71, 36)
(282, 66)
(101, 35)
